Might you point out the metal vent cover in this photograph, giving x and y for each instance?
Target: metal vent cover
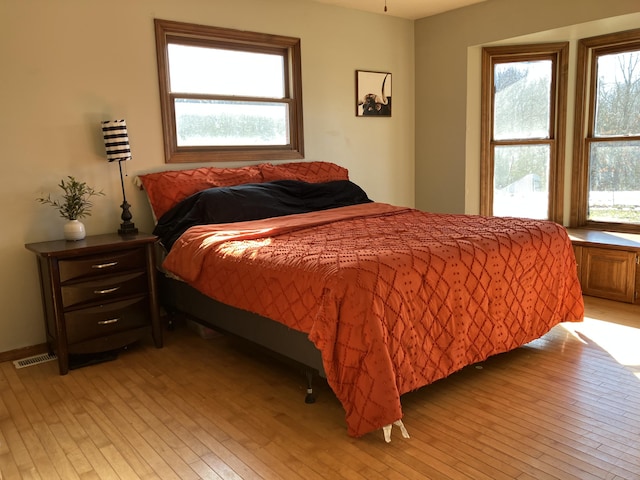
(35, 360)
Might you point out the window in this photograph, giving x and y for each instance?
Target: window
(522, 131)
(228, 94)
(606, 163)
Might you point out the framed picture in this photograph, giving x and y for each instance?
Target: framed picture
(373, 94)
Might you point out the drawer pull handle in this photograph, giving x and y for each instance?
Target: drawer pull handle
(106, 290)
(104, 265)
(107, 322)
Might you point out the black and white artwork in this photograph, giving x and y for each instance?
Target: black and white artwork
(373, 94)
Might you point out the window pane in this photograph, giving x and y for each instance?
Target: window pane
(614, 182)
(228, 123)
(522, 100)
(521, 181)
(225, 72)
(618, 95)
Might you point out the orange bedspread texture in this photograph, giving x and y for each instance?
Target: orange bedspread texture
(393, 298)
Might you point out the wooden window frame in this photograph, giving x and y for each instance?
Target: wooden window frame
(585, 124)
(167, 31)
(558, 53)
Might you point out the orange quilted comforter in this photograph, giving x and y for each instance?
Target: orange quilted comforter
(393, 298)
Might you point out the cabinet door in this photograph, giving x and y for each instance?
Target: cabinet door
(577, 250)
(608, 273)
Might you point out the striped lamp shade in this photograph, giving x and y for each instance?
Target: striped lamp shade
(116, 140)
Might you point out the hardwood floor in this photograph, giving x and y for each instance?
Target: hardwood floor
(564, 406)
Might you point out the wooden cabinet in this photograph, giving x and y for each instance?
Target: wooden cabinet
(608, 264)
(98, 294)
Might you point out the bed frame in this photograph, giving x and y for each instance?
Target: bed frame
(178, 298)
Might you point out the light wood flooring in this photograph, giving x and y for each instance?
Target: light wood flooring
(566, 406)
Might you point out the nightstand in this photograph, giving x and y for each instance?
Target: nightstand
(98, 294)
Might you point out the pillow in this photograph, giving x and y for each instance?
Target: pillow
(166, 189)
(312, 172)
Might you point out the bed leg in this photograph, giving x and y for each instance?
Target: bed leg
(170, 315)
(309, 398)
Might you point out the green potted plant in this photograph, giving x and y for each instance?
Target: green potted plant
(74, 205)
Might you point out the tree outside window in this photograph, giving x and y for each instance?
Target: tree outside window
(523, 117)
(614, 162)
(228, 94)
(607, 138)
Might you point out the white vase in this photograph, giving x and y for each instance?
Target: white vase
(74, 230)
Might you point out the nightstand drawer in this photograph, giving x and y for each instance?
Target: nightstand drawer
(103, 289)
(106, 319)
(104, 264)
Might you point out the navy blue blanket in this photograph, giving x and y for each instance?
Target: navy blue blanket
(255, 201)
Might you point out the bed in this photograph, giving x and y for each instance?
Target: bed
(380, 299)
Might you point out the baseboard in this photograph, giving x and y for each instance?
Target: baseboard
(19, 353)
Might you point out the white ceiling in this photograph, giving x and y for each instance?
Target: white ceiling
(411, 9)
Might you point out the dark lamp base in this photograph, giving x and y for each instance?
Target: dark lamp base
(127, 228)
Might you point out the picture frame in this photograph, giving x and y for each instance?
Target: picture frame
(373, 94)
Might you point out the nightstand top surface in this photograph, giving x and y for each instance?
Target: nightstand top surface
(112, 241)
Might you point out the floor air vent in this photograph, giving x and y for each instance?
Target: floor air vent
(35, 360)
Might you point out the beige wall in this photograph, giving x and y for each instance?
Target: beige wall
(448, 82)
(68, 64)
